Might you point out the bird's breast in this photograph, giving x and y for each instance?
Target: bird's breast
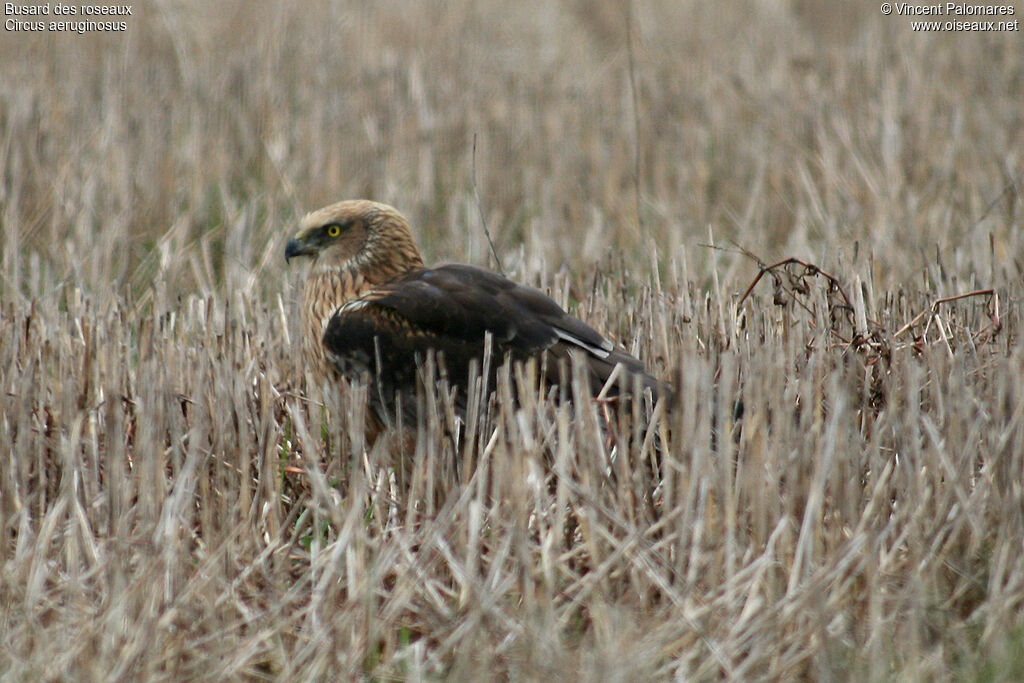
(324, 293)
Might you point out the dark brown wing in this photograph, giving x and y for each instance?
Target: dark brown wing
(451, 309)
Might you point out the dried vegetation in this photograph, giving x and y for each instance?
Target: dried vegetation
(177, 501)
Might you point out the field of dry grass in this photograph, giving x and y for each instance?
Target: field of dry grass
(177, 501)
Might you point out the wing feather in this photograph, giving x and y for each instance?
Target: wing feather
(450, 309)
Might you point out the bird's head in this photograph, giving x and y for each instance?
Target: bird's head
(357, 234)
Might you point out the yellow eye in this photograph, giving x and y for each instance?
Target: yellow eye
(333, 230)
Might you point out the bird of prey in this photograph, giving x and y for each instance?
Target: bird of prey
(372, 310)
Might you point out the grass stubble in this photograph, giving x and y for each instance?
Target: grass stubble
(178, 500)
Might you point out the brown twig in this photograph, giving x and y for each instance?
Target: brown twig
(934, 308)
(809, 269)
(874, 340)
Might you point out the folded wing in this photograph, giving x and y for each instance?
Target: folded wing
(451, 309)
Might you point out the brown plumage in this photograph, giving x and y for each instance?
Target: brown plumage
(371, 309)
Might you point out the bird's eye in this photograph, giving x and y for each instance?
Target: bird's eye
(333, 230)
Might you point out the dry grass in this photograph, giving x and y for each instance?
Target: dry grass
(174, 505)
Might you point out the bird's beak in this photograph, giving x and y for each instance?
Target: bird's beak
(297, 246)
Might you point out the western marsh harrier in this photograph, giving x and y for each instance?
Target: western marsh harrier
(372, 310)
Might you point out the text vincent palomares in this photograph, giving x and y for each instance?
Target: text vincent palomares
(953, 9)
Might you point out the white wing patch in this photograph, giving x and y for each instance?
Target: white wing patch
(352, 306)
(599, 351)
(347, 307)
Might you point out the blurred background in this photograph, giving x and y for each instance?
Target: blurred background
(608, 134)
